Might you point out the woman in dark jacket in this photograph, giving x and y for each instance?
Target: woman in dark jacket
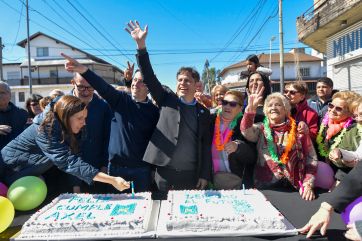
(51, 140)
(230, 151)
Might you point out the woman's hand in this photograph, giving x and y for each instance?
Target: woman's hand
(303, 129)
(255, 98)
(320, 220)
(120, 184)
(307, 192)
(231, 147)
(334, 154)
(72, 65)
(352, 233)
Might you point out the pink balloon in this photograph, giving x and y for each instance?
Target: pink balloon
(353, 212)
(325, 176)
(3, 190)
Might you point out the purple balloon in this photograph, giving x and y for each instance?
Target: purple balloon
(353, 212)
(324, 177)
(3, 190)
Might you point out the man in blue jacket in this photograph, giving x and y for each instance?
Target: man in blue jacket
(134, 121)
(12, 118)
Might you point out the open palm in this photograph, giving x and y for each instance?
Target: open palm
(136, 32)
(255, 97)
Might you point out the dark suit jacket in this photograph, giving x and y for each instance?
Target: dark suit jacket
(164, 139)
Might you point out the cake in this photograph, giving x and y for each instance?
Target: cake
(218, 211)
(70, 216)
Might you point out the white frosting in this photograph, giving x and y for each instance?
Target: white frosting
(221, 210)
(90, 215)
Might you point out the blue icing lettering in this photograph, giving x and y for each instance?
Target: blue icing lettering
(123, 209)
(53, 215)
(215, 194)
(188, 209)
(67, 216)
(242, 206)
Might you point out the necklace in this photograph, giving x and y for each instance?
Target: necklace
(322, 148)
(219, 144)
(271, 144)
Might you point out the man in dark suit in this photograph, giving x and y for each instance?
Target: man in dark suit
(180, 146)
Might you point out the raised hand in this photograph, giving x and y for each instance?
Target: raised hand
(255, 98)
(136, 32)
(72, 65)
(128, 73)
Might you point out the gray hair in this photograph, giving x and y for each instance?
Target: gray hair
(5, 86)
(281, 97)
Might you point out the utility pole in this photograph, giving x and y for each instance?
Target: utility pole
(1, 60)
(270, 48)
(281, 47)
(28, 39)
(207, 75)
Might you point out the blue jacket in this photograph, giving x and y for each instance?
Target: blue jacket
(318, 106)
(34, 148)
(14, 117)
(132, 125)
(95, 136)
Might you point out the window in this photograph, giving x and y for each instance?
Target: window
(12, 75)
(53, 73)
(42, 52)
(304, 72)
(21, 97)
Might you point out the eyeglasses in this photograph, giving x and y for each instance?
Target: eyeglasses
(292, 92)
(337, 108)
(34, 104)
(231, 103)
(83, 88)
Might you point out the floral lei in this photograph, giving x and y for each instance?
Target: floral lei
(322, 148)
(271, 145)
(219, 144)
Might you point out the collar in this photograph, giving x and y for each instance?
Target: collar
(188, 103)
(145, 101)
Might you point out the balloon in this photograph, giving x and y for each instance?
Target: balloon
(3, 189)
(325, 176)
(353, 212)
(27, 193)
(7, 213)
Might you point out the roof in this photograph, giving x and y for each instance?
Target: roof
(275, 58)
(99, 60)
(11, 64)
(55, 62)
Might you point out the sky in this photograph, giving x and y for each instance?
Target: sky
(181, 32)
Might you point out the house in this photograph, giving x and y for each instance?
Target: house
(297, 66)
(334, 28)
(47, 68)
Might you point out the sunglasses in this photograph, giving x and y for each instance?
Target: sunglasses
(337, 108)
(83, 88)
(292, 92)
(231, 103)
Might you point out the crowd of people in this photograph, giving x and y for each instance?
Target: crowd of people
(163, 140)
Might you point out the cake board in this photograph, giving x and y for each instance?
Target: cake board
(150, 233)
(162, 231)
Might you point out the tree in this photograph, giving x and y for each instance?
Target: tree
(209, 74)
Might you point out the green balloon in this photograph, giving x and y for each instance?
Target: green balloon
(6, 213)
(27, 193)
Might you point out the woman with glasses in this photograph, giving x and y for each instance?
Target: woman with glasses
(306, 117)
(230, 150)
(286, 158)
(33, 107)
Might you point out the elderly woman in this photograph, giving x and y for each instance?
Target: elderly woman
(285, 158)
(335, 124)
(296, 93)
(230, 151)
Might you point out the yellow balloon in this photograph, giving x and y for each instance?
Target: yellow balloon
(7, 213)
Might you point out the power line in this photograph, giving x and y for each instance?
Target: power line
(17, 32)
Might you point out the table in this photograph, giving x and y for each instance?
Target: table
(294, 208)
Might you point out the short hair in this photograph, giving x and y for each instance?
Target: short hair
(56, 92)
(281, 97)
(266, 82)
(194, 74)
(300, 86)
(348, 97)
(355, 103)
(5, 86)
(253, 58)
(237, 94)
(33, 98)
(216, 88)
(327, 81)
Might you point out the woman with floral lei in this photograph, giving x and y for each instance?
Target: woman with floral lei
(349, 151)
(335, 124)
(230, 151)
(286, 158)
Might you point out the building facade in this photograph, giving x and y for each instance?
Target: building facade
(334, 28)
(47, 68)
